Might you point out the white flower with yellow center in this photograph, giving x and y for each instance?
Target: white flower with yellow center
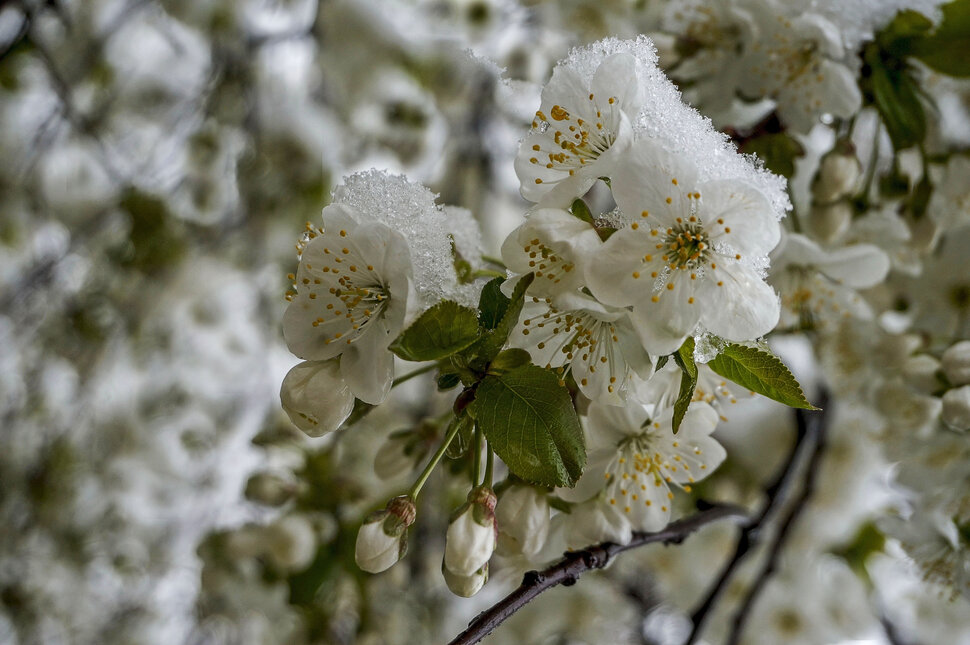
(691, 254)
(634, 459)
(580, 131)
(597, 344)
(351, 299)
(552, 244)
(798, 62)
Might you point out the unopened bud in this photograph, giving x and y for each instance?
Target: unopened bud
(269, 489)
(523, 521)
(403, 450)
(829, 222)
(472, 534)
(291, 543)
(956, 363)
(383, 537)
(315, 397)
(838, 174)
(956, 408)
(465, 586)
(920, 371)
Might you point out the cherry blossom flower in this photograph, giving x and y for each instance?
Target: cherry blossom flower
(352, 293)
(580, 131)
(691, 254)
(634, 458)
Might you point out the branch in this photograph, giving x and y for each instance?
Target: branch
(816, 428)
(777, 492)
(568, 570)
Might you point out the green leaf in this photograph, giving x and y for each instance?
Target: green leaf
(895, 94)
(684, 357)
(509, 359)
(761, 372)
(947, 49)
(529, 420)
(581, 210)
(447, 381)
(441, 331)
(661, 362)
(494, 340)
(921, 197)
(463, 268)
(492, 304)
(778, 150)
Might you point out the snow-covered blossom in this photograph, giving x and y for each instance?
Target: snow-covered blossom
(580, 131)
(634, 458)
(691, 256)
(351, 299)
(595, 343)
(472, 534)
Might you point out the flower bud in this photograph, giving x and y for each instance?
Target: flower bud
(269, 489)
(829, 222)
(523, 520)
(838, 174)
(472, 533)
(291, 543)
(465, 586)
(956, 408)
(315, 397)
(404, 449)
(383, 537)
(919, 372)
(956, 363)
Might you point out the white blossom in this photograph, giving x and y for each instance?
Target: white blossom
(522, 515)
(580, 131)
(634, 458)
(472, 534)
(352, 294)
(690, 256)
(315, 397)
(956, 363)
(956, 408)
(383, 537)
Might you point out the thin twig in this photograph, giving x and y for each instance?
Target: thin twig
(814, 442)
(776, 493)
(568, 570)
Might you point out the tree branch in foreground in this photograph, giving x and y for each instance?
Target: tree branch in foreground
(568, 570)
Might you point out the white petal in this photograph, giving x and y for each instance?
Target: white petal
(650, 176)
(368, 366)
(738, 304)
(739, 215)
(664, 323)
(858, 266)
(315, 397)
(592, 480)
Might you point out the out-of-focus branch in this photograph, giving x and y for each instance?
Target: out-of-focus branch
(568, 570)
(808, 426)
(815, 431)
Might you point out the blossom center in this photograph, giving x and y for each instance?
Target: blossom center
(686, 245)
(577, 141)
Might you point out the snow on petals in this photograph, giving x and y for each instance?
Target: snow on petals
(580, 131)
(352, 293)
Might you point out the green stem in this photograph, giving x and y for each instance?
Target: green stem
(871, 170)
(410, 375)
(488, 273)
(489, 463)
(477, 456)
(493, 260)
(423, 477)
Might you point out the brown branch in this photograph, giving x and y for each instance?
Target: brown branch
(568, 570)
(751, 535)
(816, 430)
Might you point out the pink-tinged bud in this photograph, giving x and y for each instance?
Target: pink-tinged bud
(383, 537)
(472, 533)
